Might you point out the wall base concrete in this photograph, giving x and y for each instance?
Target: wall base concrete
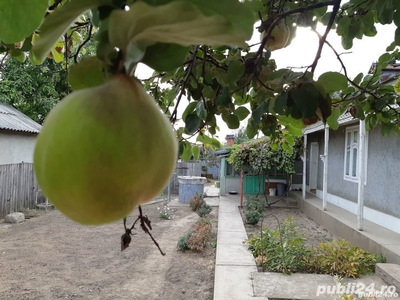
(342, 223)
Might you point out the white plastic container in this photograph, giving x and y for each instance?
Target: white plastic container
(272, 192)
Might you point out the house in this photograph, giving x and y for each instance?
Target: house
(17, 136)
(230, 179)
(355, 169)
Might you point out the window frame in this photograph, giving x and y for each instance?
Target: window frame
(352, 147)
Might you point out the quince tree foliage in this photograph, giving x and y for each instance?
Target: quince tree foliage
(199, 50)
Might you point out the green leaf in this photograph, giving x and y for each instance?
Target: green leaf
(333, 119)
(18, 19)
(259, 111)
(306, 98)
(232, 121)
(88, 73)
(155, 56)
(287, 148)
(251, 129)
(204, 139)
(58, 22)
(180, 22)
(289, 139)
(280, 102)
(224, 98)
(295, 131)
(18, 55)
(385, 11)
(241, 112)
(358, 78)
(200, 110)
(189, 109)
(196, 152)
(387, 128)
(397, 36)
(235, 71)
(192, 123)
(333, 81)
(187, 151)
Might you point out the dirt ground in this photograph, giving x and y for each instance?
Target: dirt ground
(51, 257)
(313, 232)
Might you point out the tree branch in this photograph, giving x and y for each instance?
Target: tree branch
(185, 82)
(322, 40)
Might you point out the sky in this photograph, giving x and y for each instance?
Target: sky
(302, 51)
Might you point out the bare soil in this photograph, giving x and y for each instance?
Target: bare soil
(50, 257)
(313, 232)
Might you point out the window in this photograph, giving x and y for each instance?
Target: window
(352, 152)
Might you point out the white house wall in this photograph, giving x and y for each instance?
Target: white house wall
(16, 147)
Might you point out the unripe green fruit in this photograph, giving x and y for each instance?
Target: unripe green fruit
(279, 37)
(104, 150)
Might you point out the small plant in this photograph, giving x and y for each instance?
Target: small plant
(197, 201)
(200, 236)
(183, 242)
(340, 258)
(204, 210)
(255, 203)
(254, 209)
(165, 211)
(252, 216)
(281, 250)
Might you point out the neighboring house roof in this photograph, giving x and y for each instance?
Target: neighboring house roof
(12, 119)
(343, 119)
(222, 152)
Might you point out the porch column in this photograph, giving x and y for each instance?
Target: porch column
(303, 190)
(361, 177)
(325, 178)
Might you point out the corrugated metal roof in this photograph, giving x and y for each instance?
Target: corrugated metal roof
(343, 119)
(12, 119)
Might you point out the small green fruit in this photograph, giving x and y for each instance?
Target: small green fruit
(279, 37)
(104, 150)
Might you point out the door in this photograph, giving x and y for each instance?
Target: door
(314, 151)
(253, 185)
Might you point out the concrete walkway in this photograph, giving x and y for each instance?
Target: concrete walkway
(236, 276)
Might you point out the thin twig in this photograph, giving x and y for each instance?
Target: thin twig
(189, 69)
(84, 42)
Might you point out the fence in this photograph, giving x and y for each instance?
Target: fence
(18, 188)
(18, 185)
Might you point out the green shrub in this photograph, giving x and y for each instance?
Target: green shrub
(254, 209)
(340, 258)
(204, 210)
(254, 203)
(281, 250)
(252, 216)
(196, 202)
(183, 242)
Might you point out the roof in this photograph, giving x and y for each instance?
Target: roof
(222, 152)
(343, 119)
(12, 119)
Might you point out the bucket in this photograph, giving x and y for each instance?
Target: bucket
(281, 187)
(272, 192)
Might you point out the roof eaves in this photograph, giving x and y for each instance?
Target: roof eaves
(345, 118)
